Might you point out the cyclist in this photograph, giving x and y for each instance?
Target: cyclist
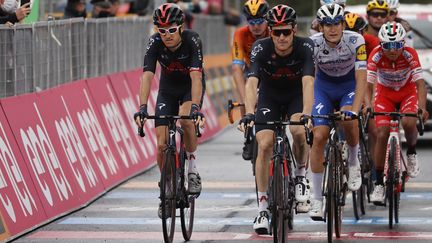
(394, 5)
(244, 37)
(356, 23)
(377, 14)
(315, 24)
(179, 53)
(283, 65)
(340, 82)
(395, 70)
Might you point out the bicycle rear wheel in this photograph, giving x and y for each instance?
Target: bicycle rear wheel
(187, 206)
(391, 180)
(168, 196)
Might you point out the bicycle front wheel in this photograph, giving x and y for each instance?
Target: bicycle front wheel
(328, 193)
(278, 219)
(168, 196)
(187, 206)
(338, 193)
(391, 180)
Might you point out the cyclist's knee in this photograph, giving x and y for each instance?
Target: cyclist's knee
(320, 138)
(383, 133)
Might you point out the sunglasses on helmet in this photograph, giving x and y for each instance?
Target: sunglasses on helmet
(396, 45)
(256, 21)
(171, 30)
(279, 32)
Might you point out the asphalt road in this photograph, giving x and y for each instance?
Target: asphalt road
(227, 206)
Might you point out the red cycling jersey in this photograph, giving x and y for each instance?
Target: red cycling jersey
(395, 82)
(371, 42)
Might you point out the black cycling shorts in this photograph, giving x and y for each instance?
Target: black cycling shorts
(270, 109)
(168, 103)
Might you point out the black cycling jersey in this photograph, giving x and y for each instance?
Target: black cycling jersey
(281, 74)
(176, 65)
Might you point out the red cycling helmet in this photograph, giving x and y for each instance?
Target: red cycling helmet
(281, 15)
(167, 14)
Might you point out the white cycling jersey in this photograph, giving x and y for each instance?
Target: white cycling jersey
(348, 55)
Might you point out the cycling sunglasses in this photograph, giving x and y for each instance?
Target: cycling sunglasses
(378, 14)
(279, 32)
(171, 30)
(258, 21)
(396, 45)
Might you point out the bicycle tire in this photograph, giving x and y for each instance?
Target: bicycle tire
(391, 180)
(396, 206)
(290, 195)
(168, 184)
(278, 221)
(329, 195)
(365, 165)
(338, 192)
(355, 202)
(187, 207)
(253, 162)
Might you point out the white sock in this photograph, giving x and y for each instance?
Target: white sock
(191, 156)
(353, 155)
(317, 185)
(300, 170)
(262, 201)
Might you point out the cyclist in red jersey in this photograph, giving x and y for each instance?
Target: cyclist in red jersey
(377, 14)
(244, 37)
(395, 70)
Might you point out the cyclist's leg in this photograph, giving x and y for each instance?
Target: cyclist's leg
(191, 143)
(410, 105)
(382, 104)
(323, 105)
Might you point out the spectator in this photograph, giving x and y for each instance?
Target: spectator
(12, 18)
(9, 6)
(75, 9)
(231, 17)
(101, 8)
(115, 5)
(141, 7)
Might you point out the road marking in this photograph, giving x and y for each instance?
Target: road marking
(238, 221)
(199, 236)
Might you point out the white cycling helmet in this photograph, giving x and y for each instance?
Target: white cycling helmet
(393, 4)
(330, 14)
(340, 2)
(391, 32)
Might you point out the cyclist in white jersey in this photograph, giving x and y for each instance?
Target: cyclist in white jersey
(340, 83)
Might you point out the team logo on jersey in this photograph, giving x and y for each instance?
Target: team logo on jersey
(353, 39)
(161, 105)
(319, 107)
(325, 52)
(265, 111)
(256, 49)
(361, 53)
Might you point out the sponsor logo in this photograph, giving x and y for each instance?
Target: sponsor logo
(161, 105)
(319, 107)
(361, 53)
(265, 111)
(353, 39)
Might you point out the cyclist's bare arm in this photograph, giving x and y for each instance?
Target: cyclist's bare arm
(308, 93)
(197, 87)
(360, 90)
(239, 80)
(421, 90)
(251, 97)
(144, 92)
(368, 95)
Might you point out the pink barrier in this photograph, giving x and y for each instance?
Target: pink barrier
(62, 148)
(20, 208)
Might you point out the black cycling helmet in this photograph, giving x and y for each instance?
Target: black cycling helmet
(254, 9)
(167, 14)
(281, 15)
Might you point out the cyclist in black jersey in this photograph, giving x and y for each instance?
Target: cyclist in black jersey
(181, 89)
(283, 65)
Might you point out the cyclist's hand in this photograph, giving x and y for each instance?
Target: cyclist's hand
(141, 115)
(348, 115)
(197, 116)
(425, 115)
(308, 120)
(247, 120)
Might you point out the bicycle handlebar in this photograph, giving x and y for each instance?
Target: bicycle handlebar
(231, 106)
(395, 115)
(169, 117)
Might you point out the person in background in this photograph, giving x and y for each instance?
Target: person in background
(9, 6)
(356, 23)
(393, 16)
(101, 8)
(75, 9)
(377, 14)
(12, 18)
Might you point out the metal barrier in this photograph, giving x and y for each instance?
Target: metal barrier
(48, 53)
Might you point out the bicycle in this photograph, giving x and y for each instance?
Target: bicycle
(281, 188)
(334, 187)
(394, 176)
(366, 164)
(173, 181)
